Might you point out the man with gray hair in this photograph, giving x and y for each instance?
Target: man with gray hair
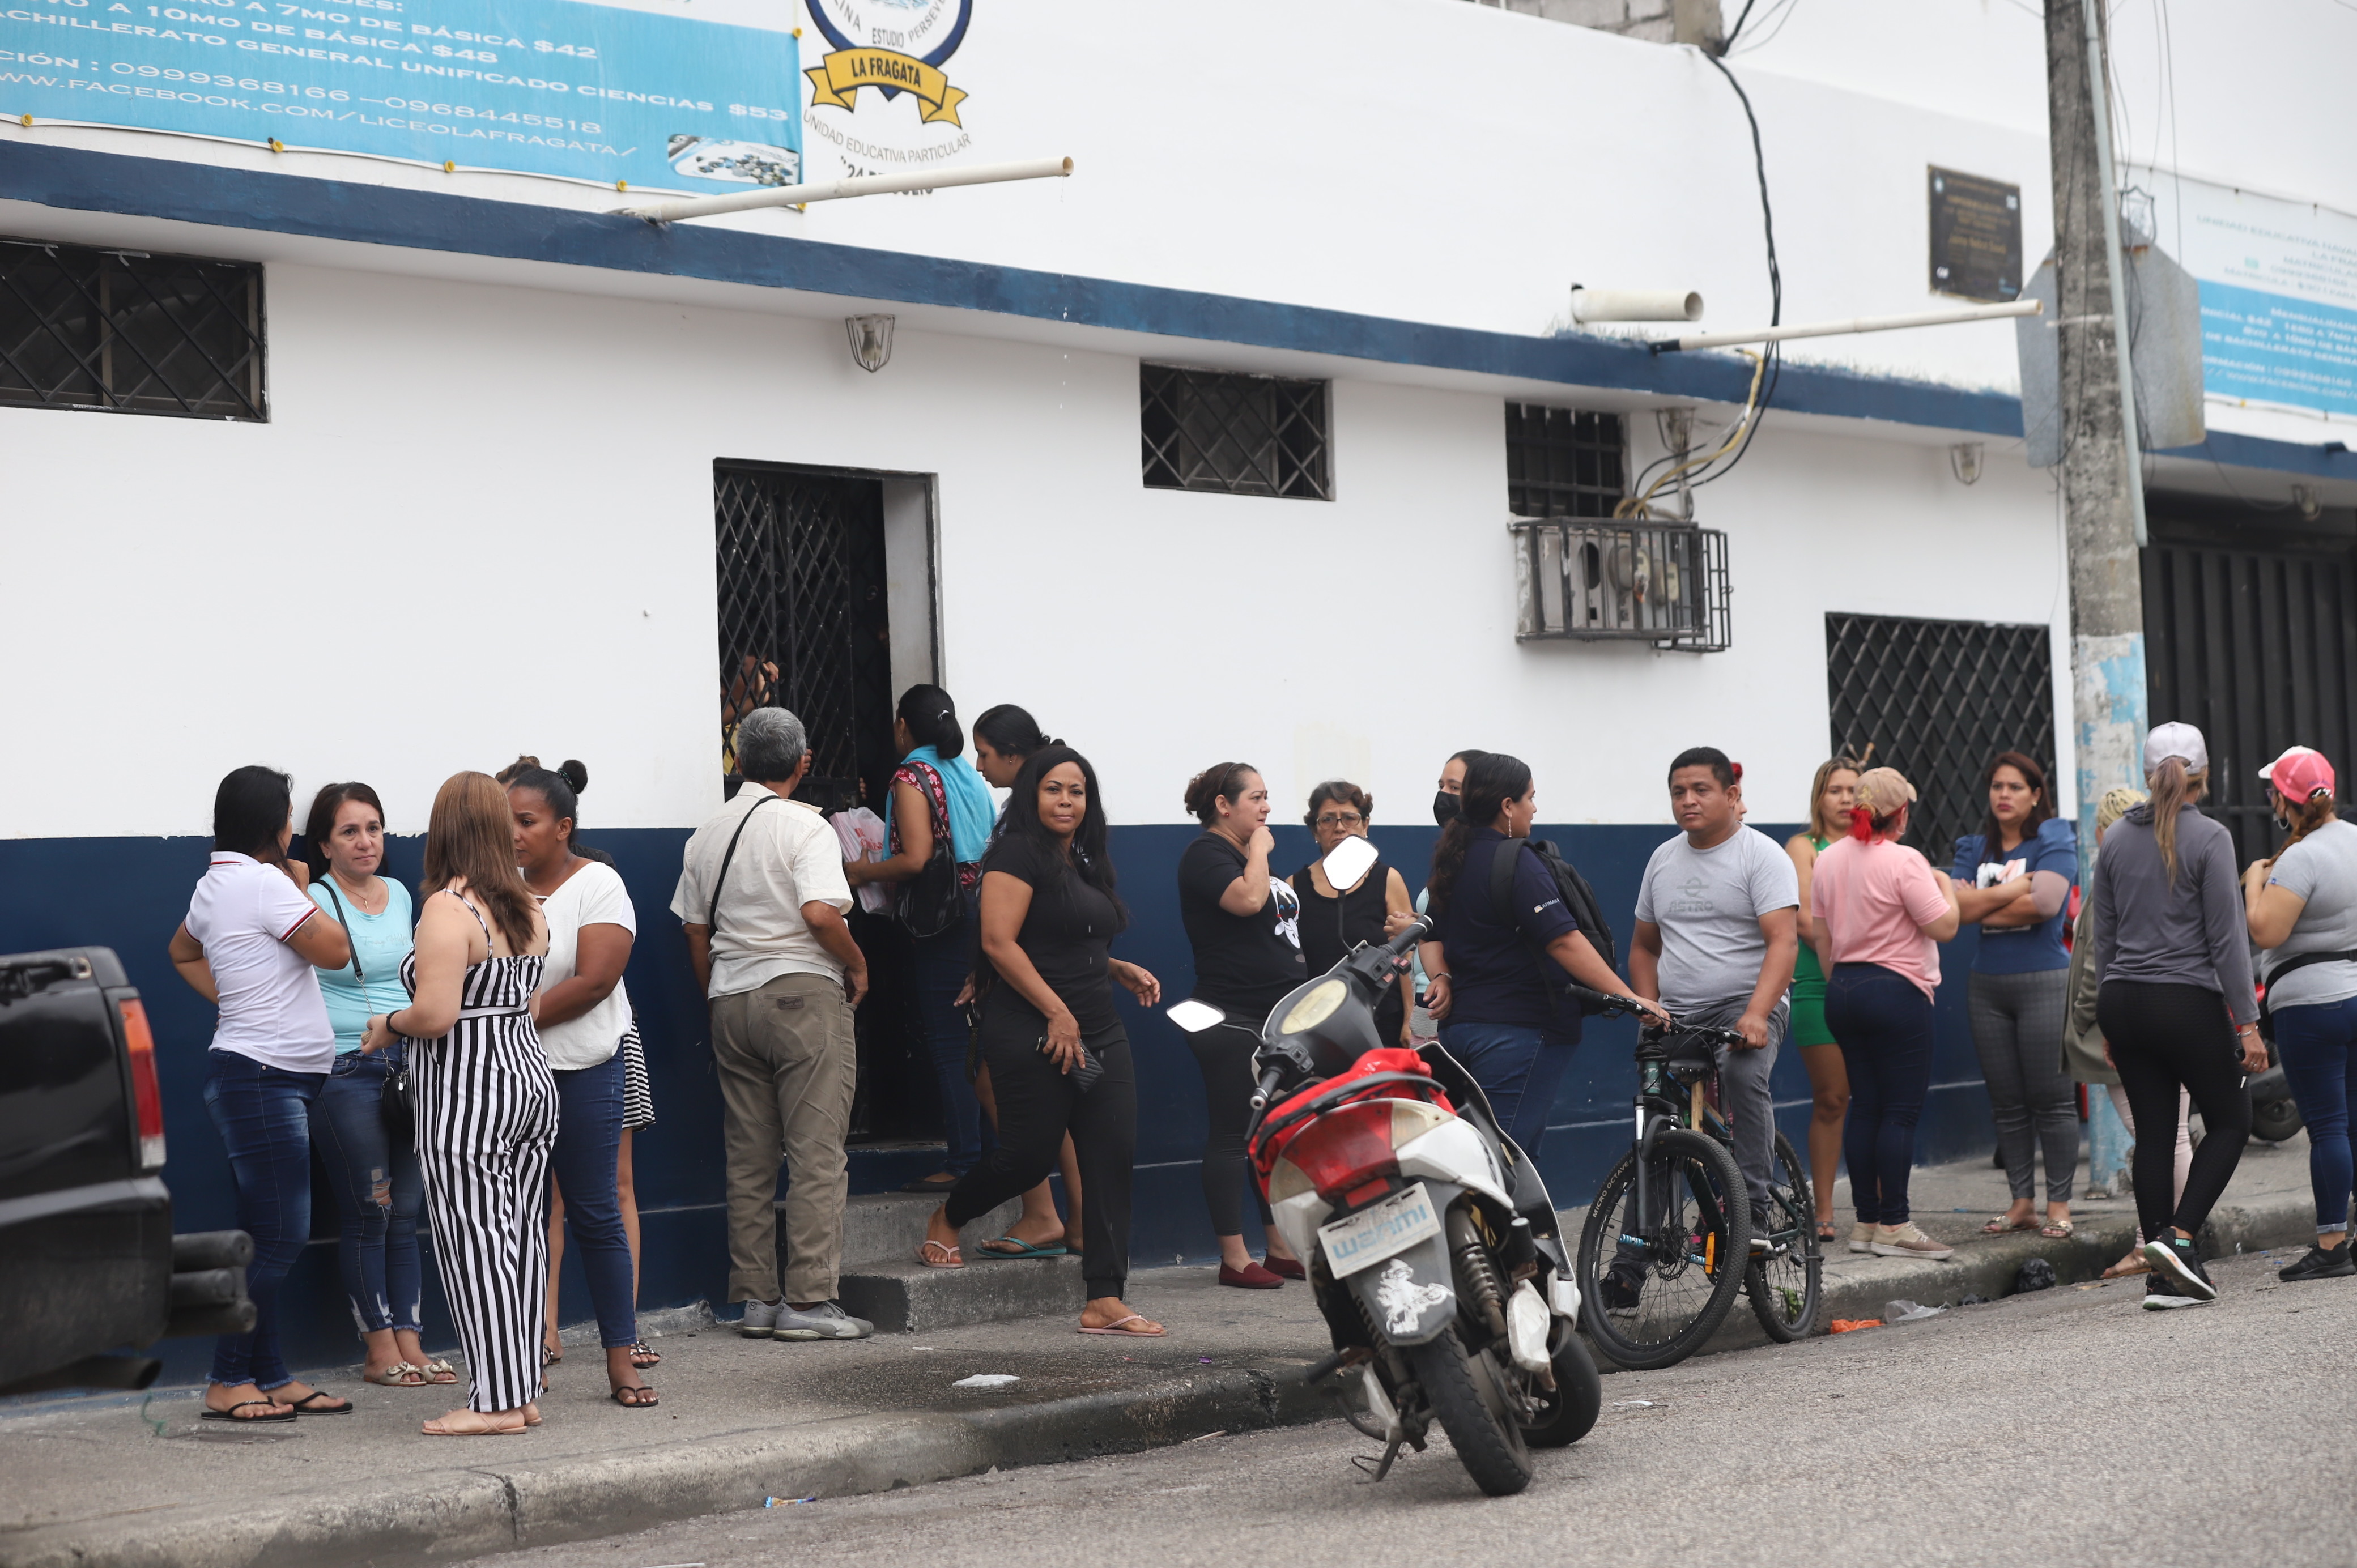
(762, 895)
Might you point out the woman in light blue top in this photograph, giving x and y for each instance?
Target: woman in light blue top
(371, 1162)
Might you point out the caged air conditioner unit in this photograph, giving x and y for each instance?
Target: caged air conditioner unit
(1592, 579)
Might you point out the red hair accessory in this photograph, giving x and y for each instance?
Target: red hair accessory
(1736, 768)
(1861, 823)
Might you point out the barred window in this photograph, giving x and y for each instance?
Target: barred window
(130, 332)
(1562, 463)
(1245, 435)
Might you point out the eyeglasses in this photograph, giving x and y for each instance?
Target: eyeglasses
(1340, 820)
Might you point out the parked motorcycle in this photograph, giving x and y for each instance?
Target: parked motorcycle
(1431, 1244)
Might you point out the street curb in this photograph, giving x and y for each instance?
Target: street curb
(490, 1506)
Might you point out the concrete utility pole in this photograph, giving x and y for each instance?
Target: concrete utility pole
(2103, 492)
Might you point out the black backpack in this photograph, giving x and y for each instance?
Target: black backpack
(1578, 901)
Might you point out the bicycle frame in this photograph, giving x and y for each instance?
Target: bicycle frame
(1658, 1102)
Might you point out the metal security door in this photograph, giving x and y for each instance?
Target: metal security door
(2251, 636)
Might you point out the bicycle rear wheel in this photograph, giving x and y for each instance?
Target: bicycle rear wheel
(1654, 1286)
(1787, 1284)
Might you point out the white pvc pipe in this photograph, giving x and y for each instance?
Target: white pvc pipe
(1635, 304)
(835, 191)
(1862, 324)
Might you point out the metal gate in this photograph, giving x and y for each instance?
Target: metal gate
(1936, 699)
(2251, 638)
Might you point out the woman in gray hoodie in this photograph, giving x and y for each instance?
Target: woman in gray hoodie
(2175, 1007)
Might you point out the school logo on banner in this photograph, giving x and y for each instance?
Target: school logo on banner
(892, 47)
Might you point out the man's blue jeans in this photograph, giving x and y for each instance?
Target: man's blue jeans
(264, 1114)
(380, 1187)
(2317, 1046)
(584, 1166)
(1518, 1067)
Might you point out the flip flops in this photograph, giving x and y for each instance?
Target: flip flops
(230, 1413)
(949, 1257)
(303, 1406)
(1022, 1249)
(1121, 1329)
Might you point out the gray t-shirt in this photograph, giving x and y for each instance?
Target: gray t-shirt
(1707, 903)
(2322, 869)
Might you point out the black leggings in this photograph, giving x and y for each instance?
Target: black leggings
(2162, 1037)
(1224, 1052)
(1037, 1104)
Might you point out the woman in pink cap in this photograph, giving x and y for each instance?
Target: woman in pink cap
(2302, 904)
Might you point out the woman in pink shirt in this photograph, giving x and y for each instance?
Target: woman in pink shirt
(1877, 912)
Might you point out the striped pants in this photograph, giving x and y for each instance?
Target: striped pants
(485, 1121)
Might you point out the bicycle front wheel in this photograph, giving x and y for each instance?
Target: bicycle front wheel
(1656, 1284)
(1787, 1283)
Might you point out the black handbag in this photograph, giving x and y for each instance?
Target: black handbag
(397, 1098)
(932, 901)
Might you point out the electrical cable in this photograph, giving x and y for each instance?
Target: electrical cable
(1773, 364)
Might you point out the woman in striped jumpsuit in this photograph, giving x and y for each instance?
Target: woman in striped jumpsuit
(486, 1103)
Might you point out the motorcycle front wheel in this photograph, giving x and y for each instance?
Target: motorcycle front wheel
(1469, 1395)
(1654, 1286)
(1565, 1415)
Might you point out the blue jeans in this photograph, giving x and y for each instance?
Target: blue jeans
(264, 1114)
(380, 1187)
(942, 964)
(1884, 1024)
(2317, 1046)
(588, 1148)
(1518, 1066)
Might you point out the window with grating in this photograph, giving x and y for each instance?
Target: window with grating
(129, 332)
(1242, 436)
(1562, 463)
(1936, 699)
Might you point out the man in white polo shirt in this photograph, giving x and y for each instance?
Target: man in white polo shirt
(762, 896)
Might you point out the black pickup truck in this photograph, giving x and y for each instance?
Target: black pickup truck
(88, 1260)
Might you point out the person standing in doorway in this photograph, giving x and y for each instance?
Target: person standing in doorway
(1495, 966)
(762, 897)
(581, 1011)
(250, 945)
(1877, 914)
(937, 799)
(486, 1103)
(1056, 1049)
(2175, 1007)
(2302, 904)
(1715, 943)
(372, 1164)
(1831, 794)
(1244, 926)
(2013, 877)
(1334, 922)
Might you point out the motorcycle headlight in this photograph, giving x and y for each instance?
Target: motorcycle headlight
(1315, 1007)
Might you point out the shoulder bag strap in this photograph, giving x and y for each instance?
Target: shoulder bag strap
(358, 973)
(711, 911)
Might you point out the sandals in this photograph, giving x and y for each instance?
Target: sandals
(2001, 1226)
(472, 1424)
(634, 1403)
(400, 1375)
(2056, 1229)
(949, 1257)
(438, 1370)
(1016, 1247)
(1828, 1232)
(304, 1406)
(1122, 1329)
(552, 1354)
(230, 1413)
(644, 1355)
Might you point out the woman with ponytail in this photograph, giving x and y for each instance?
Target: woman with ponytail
(937, 797)
(2173, 961)
(1877, 914)
(2303, 911)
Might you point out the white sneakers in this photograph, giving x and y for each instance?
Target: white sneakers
(1905, 1240)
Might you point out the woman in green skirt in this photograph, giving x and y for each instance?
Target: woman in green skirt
(1830, 795)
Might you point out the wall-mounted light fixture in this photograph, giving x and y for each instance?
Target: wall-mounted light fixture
(1964, 462)
(2304, 497)
(871, 340)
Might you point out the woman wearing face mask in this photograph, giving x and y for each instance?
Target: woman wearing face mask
(1422, 1026)
(581, 1011)
(1333, 922)
(1831, 794)
(380, 1187)
(1244, 927)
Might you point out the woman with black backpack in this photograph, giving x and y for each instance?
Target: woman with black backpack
(1494, 968)
(937, 821)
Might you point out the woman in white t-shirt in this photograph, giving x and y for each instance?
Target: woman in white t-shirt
(582, 1012)
(252, 944)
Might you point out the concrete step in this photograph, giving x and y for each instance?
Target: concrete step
(908, 1297)
(884, 1227)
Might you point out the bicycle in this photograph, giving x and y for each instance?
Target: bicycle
(1668, 1241)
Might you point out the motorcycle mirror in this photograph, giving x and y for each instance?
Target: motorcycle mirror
(1348, 862)
(1194, 1017)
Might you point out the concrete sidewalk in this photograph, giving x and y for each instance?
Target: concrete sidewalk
(95, 1481)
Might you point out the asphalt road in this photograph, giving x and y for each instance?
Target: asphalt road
(2069, 1427)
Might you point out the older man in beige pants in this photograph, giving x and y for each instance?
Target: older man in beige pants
(762, 895)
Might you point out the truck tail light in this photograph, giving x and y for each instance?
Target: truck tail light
(147, 1096)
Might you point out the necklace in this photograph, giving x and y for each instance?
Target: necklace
(362, 901)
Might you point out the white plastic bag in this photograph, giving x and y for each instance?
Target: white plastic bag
(860, 832)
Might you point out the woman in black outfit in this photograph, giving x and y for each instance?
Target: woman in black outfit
(1333, 924)
(1244, 930)
(1059, 1056)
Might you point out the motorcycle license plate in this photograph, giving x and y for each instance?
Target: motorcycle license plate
(1370, 1236)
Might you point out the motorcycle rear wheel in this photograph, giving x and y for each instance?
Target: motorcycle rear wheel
(1469, 1395)
(1694, 1254)
(1565, 1415)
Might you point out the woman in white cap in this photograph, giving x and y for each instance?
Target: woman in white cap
(1877, 912)
(2303, 909)
(2175, 1002)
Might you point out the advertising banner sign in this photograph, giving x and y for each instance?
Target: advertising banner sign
(654, 97)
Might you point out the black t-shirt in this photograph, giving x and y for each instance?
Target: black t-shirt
(1245, 963)
(1067, 933)
(1331, 928)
